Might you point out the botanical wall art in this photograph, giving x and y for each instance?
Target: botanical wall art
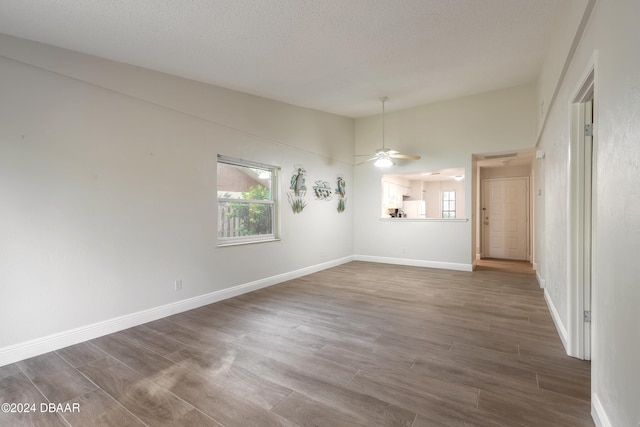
(341, 193)
(298, 189)
(322, 190)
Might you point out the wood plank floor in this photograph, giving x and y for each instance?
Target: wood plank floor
(511, 266)
(362, 344)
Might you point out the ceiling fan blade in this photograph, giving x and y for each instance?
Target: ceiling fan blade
(405, 156)
(368, 160)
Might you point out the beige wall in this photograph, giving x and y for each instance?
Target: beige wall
(505, 172)
(609, 43)
(108, 187)
(446, 135)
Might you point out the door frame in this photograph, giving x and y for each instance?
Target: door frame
(483, 200)
(582, 216)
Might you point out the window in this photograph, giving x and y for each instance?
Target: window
(448, 204)
(247, 201)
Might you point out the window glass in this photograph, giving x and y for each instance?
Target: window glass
(448, 204)
(247, 206)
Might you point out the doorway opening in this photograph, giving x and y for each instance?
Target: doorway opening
(505, 218)
(502, 206)
(582, 202)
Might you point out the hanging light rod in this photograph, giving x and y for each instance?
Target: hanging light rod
(383, 156)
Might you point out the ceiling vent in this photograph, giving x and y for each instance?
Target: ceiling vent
(500, 156)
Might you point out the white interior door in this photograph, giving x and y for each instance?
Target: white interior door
(587, 225)
(505, 217)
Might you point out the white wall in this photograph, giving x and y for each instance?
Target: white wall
(446, 135)
(108, 189)
(571, 17)
(613, 32)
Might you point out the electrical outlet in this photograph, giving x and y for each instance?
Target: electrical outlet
(404, 251)
(177, 285)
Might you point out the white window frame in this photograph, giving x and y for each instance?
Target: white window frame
(448, 202)
(273, 202)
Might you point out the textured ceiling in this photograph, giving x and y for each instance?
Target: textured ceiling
(338, 56)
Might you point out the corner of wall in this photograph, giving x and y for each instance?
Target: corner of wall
(557, 320)
(597, 412)
(541, 282)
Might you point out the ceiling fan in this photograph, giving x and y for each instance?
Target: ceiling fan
(383, 156)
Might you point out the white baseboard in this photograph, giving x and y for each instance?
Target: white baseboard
(35, 347)
(562, 331)
(535, 265)
(597, 412)
(540, 280)
(415, 262)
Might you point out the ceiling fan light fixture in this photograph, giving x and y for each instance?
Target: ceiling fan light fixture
(384, 162)
(383, 156)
